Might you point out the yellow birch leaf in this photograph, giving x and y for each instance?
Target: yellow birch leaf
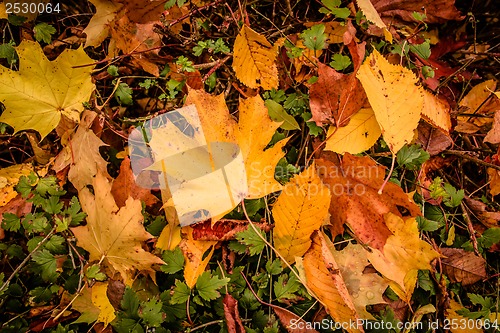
(359, 135)
(42, 91)
(254, 60)
(114, 236)
(323, 278)
(9, 177)
(101, 301)
(194, 251)
(457, 321)
(254, 132)
(300, 209)
(403, 255)
(372, 15)
(436, 112)
(395, 97)
(365, 288)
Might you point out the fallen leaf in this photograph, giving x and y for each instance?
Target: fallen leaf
(403, 255)
(43, 91)
(196, 253)
(101, 301)
(435, 11)
(82, 155)
(475, 102)
(89, 312)
(254, 60)
(433, 140)
(463, 266)
(292, 322)
(300, 209)
(335, 97)
(436, 111)
(323, 278)
(354, 185)
(124, 186)
(9, 177)
(223, 230)
(112, 235)
(365, 288)
(372, 15)
(395, 97)
(494, 177)
(493, 136)
(359, 135)
(490, 219)
(233, 319)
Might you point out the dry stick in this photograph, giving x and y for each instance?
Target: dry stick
(470, 228)
(389, 175)
(28, 257)
(471, 158)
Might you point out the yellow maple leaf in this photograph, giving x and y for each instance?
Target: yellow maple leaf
(254, 60)
(358, 135)
(42, 91)
(403, 255)
(82, 155)
(98, 28)
(9, 177)
(114, 236)
(395, 97)
(323, 279)
(365, 288)
(300, 209)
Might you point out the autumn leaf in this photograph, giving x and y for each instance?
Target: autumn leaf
(82, 155)
(94, 305)
(112, 235)
(436, 111)
(372, 15)
(323, 279)
(494, 177)
(43, 91)
(463, 266)
(9, 177)
(453, 317)
(493, 136)
(335, 97)
(403, 255)
(197, 254)
(395, 97)
(360, 134)
(254, 60)
(435, 11)
(354, 185)
(300, 209)
(365, 288)
(475, 102)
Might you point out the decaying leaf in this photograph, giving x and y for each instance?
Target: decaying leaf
(223, 230)
(359, 135)
(43, 91)
(300, 209)
(292, 322)
(372, 15)
(112, 235)
(197, 254)
(463, 266)
(395, 97)
(494, 178)
(493, 136)
(436, 111)
(365, 288)
(354, 185)
(475, 102)
(435, 11)
(485, 215)
(433, 140)
(254, 60)
(323, 278)
(233, 319)
(94, 305)
(403, 255)
(82, 155)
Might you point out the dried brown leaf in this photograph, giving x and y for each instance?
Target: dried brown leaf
(463, 266)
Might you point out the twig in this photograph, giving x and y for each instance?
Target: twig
(470, 228)
(471, 158)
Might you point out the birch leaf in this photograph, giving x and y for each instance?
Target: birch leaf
(395, 97)
(42, 91)
(254, 60)
(300, 210)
